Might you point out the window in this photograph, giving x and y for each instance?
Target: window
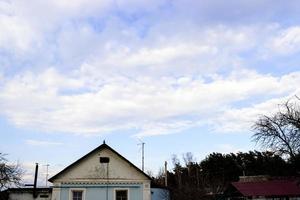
(121, 194)
(77, 195)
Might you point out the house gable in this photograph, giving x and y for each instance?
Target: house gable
(89, 168)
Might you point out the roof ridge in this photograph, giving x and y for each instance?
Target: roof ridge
(102, 146)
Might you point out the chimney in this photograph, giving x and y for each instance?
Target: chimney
(35, 180)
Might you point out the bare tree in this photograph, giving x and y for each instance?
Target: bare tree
(188, 158)
(177, 169)
(150, 173)
(281, 131)
(10, 174)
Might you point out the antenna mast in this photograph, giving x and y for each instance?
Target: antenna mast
(143, 153)
(47, 166)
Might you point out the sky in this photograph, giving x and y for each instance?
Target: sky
(180, 75)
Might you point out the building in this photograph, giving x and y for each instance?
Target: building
(160, 193)
(27, 194)
(264, 188)
(101, 174)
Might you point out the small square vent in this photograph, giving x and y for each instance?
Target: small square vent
(104, 159)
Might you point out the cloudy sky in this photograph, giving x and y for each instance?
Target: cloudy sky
(181, 75)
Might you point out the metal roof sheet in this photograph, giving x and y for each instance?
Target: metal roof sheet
(269, 188)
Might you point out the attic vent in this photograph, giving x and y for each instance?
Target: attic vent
(104, 159)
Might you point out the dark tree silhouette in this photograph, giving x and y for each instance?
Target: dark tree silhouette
(209, 178)
(280, 132)
(10, 175)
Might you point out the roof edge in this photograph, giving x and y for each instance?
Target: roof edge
(102, 146)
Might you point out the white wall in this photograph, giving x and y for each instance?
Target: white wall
(26, 196)
(91, 169)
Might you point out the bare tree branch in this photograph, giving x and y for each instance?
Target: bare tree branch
(10, 174)
(281, 131)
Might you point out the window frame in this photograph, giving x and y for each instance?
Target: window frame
(120, 189)
(71, 190)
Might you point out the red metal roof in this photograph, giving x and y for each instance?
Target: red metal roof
(269, 188)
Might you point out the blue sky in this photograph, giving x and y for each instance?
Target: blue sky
(183, 76)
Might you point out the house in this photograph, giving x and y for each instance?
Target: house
(101, 174)
(264, 189)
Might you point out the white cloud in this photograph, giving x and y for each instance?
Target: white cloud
(54, 102)
(83, 33)
(145, 67)
(159, 128)
(241, 119)
(163, 55)
(102, 66)
(287, 42)
(15, 34)
(182, 53)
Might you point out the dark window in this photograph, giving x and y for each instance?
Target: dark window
(104, 159)
(121, 195)
(77, 195)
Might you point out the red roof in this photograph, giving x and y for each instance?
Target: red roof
(268, 188)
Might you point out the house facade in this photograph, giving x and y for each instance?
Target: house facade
(102, 174)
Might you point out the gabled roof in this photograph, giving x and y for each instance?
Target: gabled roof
(268, 188)
(101, 147)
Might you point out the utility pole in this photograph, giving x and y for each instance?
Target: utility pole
(47, 166)
(166, 174)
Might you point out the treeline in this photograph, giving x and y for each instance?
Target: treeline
(279, 132)
(191, 180)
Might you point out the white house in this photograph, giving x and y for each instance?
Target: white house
(102, 174)
(26, 194)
